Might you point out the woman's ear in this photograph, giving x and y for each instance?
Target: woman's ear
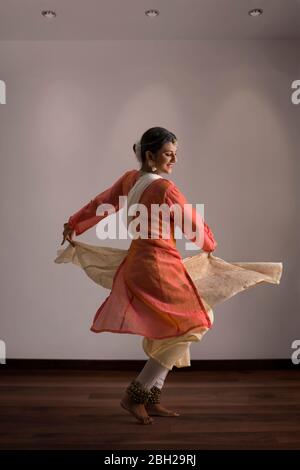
(149, 157)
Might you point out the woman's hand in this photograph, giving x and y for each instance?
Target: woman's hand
(67, 234)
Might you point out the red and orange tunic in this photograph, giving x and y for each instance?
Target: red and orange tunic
(152, 294)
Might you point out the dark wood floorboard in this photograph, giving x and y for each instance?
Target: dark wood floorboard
(219, 410)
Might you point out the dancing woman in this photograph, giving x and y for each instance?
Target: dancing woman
(152, 294)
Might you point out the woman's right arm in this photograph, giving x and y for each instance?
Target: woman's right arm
(86, 217)
(194, 220)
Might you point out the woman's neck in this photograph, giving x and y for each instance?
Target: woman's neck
(143, 171)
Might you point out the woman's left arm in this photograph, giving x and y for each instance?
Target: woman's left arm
(195, 221)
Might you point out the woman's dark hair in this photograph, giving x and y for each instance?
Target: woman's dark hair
(153, 139)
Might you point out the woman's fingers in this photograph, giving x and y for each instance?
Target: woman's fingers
(66, 233)
(64, 238)
(70, 241)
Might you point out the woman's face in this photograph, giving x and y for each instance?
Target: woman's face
(165, 159)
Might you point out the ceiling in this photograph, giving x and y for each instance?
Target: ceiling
(125, 19)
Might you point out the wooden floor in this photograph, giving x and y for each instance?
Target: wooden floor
(219, 410)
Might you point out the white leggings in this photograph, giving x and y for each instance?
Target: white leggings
(153, 373)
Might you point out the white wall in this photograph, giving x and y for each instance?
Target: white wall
(74, 110)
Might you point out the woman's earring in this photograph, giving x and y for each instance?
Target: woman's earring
(154, 168)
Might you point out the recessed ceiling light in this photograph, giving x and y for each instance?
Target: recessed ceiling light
(255, 12)
(48, 14)
(152, 13)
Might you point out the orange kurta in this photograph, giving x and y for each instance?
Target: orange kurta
(152, 294)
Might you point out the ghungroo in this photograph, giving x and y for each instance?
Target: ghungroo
(137, 392)
(155, 393)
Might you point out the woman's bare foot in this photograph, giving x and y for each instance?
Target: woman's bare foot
(138, 410)
(156, 409)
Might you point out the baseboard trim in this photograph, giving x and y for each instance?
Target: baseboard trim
(120, 365)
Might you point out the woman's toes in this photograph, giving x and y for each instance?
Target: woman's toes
(147, 420)
(159, 410)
